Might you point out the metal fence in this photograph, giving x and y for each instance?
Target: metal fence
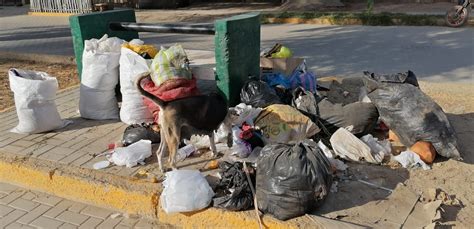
(70, 6)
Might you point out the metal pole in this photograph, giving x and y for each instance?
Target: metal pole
(163, 28)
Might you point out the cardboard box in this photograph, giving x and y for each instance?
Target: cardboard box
(281, 65)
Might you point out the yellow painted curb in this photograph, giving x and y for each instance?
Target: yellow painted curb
(71, 188)
(147, 204)
(318, 21)
(50, 14)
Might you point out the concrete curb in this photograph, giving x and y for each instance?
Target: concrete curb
(50, 14)
(123, 194)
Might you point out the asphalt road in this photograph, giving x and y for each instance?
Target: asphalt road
(433, 53)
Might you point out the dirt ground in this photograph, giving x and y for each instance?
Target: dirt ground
(65, 73)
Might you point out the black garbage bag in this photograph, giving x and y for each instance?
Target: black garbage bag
(410, 113)
(237, 194)
(137, 132)
(292, 179)
(331, 116)
(258, 94)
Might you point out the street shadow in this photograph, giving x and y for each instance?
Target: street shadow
(81, 123)
(31, 33)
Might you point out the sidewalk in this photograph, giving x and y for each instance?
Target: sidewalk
(25, 208)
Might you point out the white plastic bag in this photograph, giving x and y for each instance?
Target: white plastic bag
(239, 148)
(185, 191)
(132, 66)
(132, 154)
(335, 163)
(349, 147)
(100, 75)
(409, 159)
(34, 94)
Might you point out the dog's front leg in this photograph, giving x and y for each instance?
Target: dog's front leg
(213, 144)
(161, 150)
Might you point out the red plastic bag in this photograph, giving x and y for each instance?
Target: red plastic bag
(170, 90)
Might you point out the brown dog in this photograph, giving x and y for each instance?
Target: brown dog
(181, 118)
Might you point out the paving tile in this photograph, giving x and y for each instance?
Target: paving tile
(11, 217)
(29, 196)
(4, 210)
(121, 226)
(74, 156)
(68, 226)
(7, 188)
(12, 149)
(72, 218)
(76, 207)
(22, 204)
(11, 197)
(91, 223)
(52, 156)
(82, 160)
(129, 222)
(96, 212)
(24, 143)
(109, 223)
(58, 209)
(32, 215)
(82, 144)
(47, 223)
(14, 225)
(61, 151)
(47, 199)
(39, 149)
(7, 141)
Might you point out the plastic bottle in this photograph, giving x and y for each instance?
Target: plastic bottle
(185, 152)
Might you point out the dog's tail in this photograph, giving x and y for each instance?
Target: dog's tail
(146, 94)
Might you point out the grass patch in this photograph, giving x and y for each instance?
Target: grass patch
(338, 18)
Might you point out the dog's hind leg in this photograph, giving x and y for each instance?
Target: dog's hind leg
(213, 144)
(172, 139)
(160, 152)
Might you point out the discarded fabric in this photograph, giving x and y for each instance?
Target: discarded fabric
(185, 191)
(34, 94)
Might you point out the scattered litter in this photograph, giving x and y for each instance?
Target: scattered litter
(185, 191)
(291, 179)
(101, 165)
(214, 164)
(410, 113)
(136, 132)
(115, 215)
(349, 147)
(408, 159)
(245, 113)
(379, 148)
(335, 163)
(185, 152)
(35, 93)
(132, 154)
(239, 148)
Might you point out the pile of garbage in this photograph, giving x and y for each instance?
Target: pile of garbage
(290, 135)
